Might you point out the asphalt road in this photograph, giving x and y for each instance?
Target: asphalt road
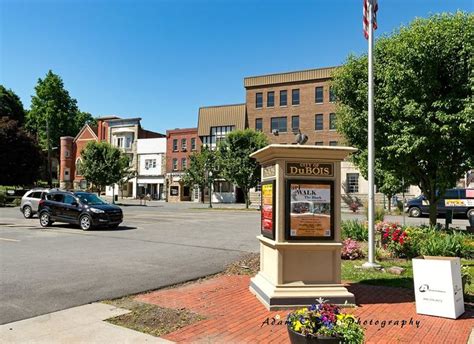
(45, 270)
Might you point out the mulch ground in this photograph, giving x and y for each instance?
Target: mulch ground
(233, 315)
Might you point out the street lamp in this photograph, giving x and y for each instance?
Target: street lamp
(209, 181)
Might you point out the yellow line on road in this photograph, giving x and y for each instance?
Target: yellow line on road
(5, 239)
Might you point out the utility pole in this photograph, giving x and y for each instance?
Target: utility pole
(50, 173)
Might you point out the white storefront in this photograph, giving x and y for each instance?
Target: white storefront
(150, 181)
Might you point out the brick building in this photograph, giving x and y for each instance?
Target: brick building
(71, 148)
(180, 144)
(281, 104)
(121, 133)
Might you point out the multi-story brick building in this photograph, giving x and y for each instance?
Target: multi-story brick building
(121, 133)
(71, 148)
(281, 104)
(180, 144)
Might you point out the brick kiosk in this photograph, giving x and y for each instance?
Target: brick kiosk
(300, 241)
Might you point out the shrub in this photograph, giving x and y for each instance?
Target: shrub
(3, 198)
(379, 212)
(351, 250)
(16, 202)
(393, 238)
(355, 230)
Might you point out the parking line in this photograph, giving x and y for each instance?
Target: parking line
(13, 240)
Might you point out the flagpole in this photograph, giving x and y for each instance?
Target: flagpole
(371, 202)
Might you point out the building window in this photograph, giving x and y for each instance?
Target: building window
(258, 124)
(319, 143)
(333, 143)
(174, 190)
(78, 167)
(332, 95)
(295, 123)
(319, 122)
(332, 121)
(283, 98)
(219, 134)
(193, 143)
(271, 99)
(120, 142)
(278, 124)
(259, 100)
(175, 164)
(183, 163)
(183, 144)
(128, 142)
(175, 145)
(352, 180)
(319, 94)
(295, 97)
(150, 163)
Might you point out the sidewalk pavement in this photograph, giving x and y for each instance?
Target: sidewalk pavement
(76, 325)
(234, 315)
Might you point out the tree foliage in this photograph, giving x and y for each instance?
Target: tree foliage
(424, 119)
(21, 159)
(11, 106)
(237, 165)
(200, 164)
(53, 103)
(102, 164)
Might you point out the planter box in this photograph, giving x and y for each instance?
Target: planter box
(438, 286)
(298, 338)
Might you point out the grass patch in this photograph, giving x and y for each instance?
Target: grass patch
(151, 319)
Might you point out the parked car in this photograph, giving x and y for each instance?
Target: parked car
(460, 201)
(30, 201)
(81, 208)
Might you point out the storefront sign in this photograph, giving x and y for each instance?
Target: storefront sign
(310, 210)
(267, 210)
(309, 169)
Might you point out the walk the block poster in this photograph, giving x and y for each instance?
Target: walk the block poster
(310, 210)
(268, 207)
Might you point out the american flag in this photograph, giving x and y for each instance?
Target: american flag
(365, 11)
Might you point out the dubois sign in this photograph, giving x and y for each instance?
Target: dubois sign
(310, 169)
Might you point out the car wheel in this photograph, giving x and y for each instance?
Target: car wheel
(27, 212)
(85, 222)
(45, 219)
(470, 213)
(414, 212)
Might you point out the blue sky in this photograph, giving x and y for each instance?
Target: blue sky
(162, 60)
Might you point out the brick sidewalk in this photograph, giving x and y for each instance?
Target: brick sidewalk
(234, 315)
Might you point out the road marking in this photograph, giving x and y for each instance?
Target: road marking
(13, 240)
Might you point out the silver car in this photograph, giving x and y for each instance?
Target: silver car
(30, 201)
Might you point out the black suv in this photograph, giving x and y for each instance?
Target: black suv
(82, 208)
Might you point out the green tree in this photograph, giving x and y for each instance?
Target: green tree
(237, 165)
(11, 106)
(101, 164)
(52, 103)
(21, 159)
(203, 169)
(424, 119)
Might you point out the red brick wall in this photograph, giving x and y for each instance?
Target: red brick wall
(306, 110)
(179, 154)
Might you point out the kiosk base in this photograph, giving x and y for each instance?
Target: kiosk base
(298, 294)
